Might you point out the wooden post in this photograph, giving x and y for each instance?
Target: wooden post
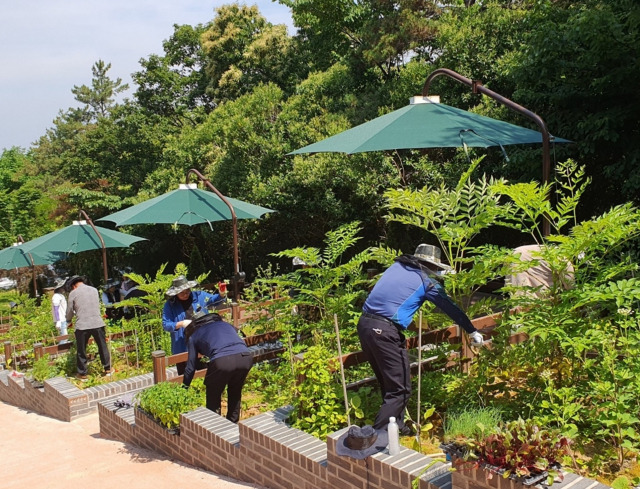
(8, 355)
(235, 314)
(465, 351)
(301, 377)
(159, 366)
(38, 351)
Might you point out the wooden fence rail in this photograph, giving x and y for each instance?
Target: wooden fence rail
(161, 361)
(18, 354)
(452, 335)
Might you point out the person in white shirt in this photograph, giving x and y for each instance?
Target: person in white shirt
(59, 307)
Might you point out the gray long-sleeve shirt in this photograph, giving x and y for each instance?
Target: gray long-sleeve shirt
(84, 304)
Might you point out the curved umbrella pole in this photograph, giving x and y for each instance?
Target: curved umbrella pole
(234, 222)
(33, 267)
(477, 87)
(104, 248)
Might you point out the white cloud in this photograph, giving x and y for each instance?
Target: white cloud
(50, 46)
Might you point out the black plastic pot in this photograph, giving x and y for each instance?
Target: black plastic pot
(454, 450)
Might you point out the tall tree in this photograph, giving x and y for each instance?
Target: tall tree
(244, 50)
(99, 98)
(26, 207)
(366, 34)
(174, 85)
(577, 64)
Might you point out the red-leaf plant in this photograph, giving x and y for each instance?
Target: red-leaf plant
(519, 448)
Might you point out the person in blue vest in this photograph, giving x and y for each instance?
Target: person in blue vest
(388, 312)
(181, 306)
(229, 362)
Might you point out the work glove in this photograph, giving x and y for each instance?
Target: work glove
(476, 338)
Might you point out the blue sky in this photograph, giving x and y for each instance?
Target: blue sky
(48, 46)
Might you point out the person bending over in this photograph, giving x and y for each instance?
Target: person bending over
(229, 362)
(388, 312)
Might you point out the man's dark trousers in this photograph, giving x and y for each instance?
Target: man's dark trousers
(82, 338)
(385, 348)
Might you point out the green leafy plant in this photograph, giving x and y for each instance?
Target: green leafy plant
(319, 403)
(166, 401)
(41, 369)
(455, 218)
(331, 283)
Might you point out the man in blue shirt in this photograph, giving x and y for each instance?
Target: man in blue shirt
(388, 311)
(180, 308)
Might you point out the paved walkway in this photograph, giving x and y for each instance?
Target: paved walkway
(38, 451)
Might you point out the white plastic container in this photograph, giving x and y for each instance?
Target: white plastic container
(394, 436)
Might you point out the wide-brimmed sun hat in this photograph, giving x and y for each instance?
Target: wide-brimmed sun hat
(363, 442)
(110, 283)
(179, 284)
(72, 281)
(59, 283)
(430, 254)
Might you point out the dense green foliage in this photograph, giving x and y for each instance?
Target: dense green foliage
(231, 96)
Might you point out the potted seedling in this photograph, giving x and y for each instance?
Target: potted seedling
(460, 429)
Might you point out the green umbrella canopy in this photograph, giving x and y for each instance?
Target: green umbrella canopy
(187, 205)
(16, 257)
(426, 124)
(78, 237)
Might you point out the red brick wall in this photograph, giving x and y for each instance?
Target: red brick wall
(62, 400)
(265, 450)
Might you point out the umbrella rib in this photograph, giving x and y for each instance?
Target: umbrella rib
(492, 141)
(195, 214)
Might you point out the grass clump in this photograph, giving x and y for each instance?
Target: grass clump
(469, 423)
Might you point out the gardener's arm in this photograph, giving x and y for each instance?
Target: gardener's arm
(190, 369)
(171, 318)
(439, 297)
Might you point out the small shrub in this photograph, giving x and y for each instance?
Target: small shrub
(41, 370)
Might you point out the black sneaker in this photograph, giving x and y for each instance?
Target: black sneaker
(407, 430)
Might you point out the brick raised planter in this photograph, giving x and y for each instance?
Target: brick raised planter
(265, 450)
(468, 477)
(262, 450)
(62, 400)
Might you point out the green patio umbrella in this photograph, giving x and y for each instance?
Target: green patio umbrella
(16, 257)
(190, 205)
(81, 236)
(425, 124)
(187, 205)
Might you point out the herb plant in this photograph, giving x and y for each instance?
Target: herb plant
(166, 401)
